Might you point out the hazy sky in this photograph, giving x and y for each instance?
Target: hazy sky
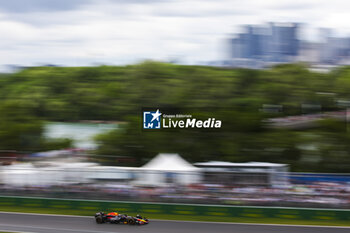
(84, 32)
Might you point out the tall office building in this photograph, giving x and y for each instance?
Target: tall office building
(272, 43)
(284, 42)
(333, 50)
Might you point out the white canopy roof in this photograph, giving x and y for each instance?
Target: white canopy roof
(248, 164)
(169, 162)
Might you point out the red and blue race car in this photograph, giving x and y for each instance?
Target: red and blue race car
(115, 217)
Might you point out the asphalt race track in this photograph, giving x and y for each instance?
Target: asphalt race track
(57, 224)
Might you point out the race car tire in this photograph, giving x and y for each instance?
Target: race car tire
(131, 221)
(99, 220)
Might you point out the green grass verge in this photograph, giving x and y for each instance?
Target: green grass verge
(183, 217)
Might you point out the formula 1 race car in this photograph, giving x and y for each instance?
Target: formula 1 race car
(115, 217)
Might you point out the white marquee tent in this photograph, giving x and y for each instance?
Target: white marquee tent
(167, 169)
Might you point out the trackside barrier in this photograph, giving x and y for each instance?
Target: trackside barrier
(92, 206)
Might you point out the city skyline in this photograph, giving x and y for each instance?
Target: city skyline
(260, 46)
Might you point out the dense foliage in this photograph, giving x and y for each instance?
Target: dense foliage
(235, 95)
